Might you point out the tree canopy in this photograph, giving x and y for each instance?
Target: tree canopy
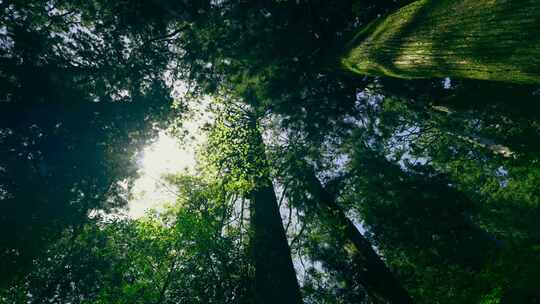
(356, 151)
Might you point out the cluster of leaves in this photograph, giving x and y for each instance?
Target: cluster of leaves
(234, 148)
(188, 254)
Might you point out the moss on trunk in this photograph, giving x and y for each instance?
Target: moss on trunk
(481, 39)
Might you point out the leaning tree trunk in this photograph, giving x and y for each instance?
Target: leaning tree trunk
(373, 273)
(481, 39)
(275, 277)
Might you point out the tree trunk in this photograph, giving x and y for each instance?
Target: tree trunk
(481, 39)
(275, 277)
(374, 275)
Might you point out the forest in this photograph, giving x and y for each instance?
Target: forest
(345, 151)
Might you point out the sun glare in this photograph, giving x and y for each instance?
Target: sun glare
(167, 155)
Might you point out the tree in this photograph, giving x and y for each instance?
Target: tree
(416, 220)
(188, 254)
(372, 272)
(468, 175)
(306, 192)
(235, 146)
(270, 45)
(462, 39)
(82, 91)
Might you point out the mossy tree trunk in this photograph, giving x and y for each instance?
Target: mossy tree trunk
(495, 40)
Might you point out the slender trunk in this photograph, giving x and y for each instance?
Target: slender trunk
(485, 143)
(476, 140)
(481, 39)
(275, 277)
(374, 275)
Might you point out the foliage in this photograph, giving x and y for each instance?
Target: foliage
(189, 254)
(305, 166)
(82, 91)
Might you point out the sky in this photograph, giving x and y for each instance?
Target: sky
(167, 155)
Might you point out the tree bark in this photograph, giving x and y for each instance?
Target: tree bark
(275, 277)
(374, 275)
(481, 39)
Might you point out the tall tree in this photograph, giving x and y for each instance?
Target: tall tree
(299, 148)
(235, 145)
(468, 176)
(81, 91)
(477, 39)
(370, 269)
